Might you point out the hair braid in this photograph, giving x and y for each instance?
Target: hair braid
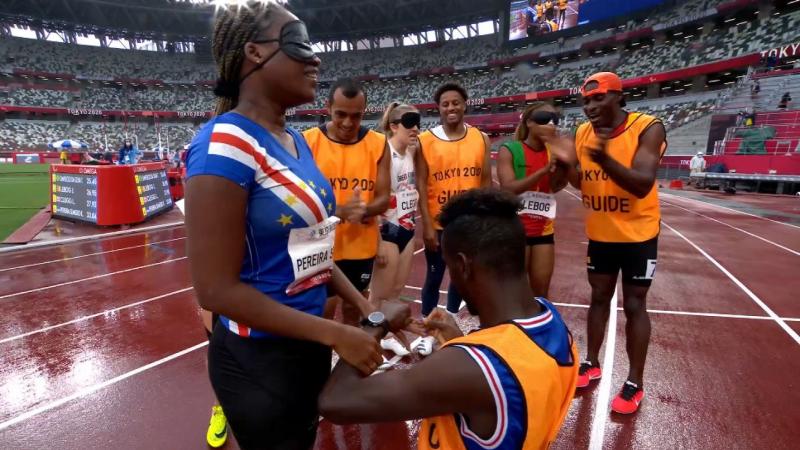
(233, 28)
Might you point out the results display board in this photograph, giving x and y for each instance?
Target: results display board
(75, 196)
(110, 195)
(153, 189)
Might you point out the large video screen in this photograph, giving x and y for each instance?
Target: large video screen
(529, 18)
(599, 10)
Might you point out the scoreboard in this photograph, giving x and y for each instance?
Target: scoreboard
(110, 195)
(75, 196)
(153, 189)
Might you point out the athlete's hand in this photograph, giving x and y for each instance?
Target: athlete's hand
(431, 239)
(366, 307)
(417, 326)
(367, 220)
(442, 326)
(413, 144)
(354, 210)
(550, 167)
(561, 148)
(597, 148)
(397, 314)
(358, 348)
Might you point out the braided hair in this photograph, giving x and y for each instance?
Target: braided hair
(235, 26)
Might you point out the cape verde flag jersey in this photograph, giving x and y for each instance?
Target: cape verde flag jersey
(290, 227)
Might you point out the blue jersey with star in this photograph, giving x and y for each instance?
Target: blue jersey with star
(284, 192)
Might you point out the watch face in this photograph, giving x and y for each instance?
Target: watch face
(376, 317)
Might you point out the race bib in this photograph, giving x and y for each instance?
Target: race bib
(538, 204)
(407, 202)
(311, 252)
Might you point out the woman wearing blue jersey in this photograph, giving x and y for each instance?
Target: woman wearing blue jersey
(260, 226)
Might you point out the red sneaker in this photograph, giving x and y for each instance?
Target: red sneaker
(587, 373)
(628, 399)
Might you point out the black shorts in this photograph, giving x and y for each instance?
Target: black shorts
(550, 239)
(358, 271)
(268, 388)
(637, 260)
(214, 320)
(396, 235)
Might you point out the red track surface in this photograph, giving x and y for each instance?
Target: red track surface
(85, 322)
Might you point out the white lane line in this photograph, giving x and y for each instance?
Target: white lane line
(602, 405)
(770, 313)
(92, 316)
(574, 305)
(26, 266)
(463, 303)
(35, 245)
(91, 278)
(705, 314)
(664, 311)
(419, 289)
(689, 313)
(94, 388)
(728, 209)
(441, 306)
(735, 228)
(793, 334)
(460, 307)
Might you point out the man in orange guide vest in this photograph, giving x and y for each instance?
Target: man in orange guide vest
(562, 13)
(617, 155)
(540, 10)
(507, 385)
(454, 158)
(357, 162)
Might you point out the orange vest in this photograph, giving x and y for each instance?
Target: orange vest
(614, 214)
(348, 166)
(453, 167)
(548, 388)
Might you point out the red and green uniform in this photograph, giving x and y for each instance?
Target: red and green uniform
(538, 202)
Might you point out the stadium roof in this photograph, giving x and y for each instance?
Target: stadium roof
(327, 19)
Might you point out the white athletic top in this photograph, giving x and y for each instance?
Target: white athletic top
(402, 209)
(439, 132)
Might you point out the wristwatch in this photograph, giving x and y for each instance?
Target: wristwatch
(376, 320)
